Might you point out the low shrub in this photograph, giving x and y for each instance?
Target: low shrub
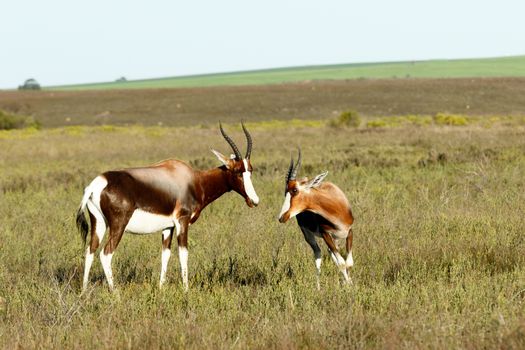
(11, 121)
(450, 119)
(348, 118)
(379, 123)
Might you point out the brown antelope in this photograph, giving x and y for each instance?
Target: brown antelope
(322, 210)
(159, 197)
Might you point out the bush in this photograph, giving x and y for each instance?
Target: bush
(376, 124)
(10, 121)
(30, 84)
(449, 119)
(348, 118)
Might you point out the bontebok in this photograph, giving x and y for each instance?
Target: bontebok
(322, 210)
(162, 197)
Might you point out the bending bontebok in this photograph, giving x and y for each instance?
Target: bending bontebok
(162, 197)
(322, 210)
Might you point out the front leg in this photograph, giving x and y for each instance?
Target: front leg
(182, 224)
(336, 256)
(349, 239)
(310, 239)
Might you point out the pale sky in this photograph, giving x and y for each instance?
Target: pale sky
(69, 42)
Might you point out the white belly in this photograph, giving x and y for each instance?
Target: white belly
(145, 222)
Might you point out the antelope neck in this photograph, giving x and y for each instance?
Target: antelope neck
(212, 184)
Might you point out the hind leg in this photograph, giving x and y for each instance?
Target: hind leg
(98, 229)
(349, 258)
(116, 230)
(336, 256)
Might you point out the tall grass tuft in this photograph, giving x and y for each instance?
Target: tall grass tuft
(10, 121)
(346, 119)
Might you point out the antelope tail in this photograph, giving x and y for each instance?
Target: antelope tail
(82, 224)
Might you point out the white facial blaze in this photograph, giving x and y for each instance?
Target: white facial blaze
(248, 186)
(286, 204)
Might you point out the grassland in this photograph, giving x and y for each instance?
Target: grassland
(306, 101)
(488, 67)
(439, 243)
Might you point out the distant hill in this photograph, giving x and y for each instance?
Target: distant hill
(484, 67)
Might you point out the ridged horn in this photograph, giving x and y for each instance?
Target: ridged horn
(248, 141)
(290, 169)
(231, 143)
(293, 174)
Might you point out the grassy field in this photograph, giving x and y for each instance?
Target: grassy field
(438, 245)
(306, 101)
(487, 67)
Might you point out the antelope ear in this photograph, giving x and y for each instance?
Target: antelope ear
(317, 180)
(223, 159)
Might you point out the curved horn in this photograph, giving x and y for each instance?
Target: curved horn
(248, 141)
(231, 143)
(290, 169)
(297, 166)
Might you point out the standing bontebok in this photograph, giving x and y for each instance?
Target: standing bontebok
(161, 197)
(322, 210)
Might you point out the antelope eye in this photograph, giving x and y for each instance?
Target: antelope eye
(294, 190)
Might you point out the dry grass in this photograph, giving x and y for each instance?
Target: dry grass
(438, 246)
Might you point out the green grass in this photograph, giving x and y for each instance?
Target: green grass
(438, 248)
(488, 67)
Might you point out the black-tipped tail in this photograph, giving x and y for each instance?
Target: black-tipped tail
(82, 224)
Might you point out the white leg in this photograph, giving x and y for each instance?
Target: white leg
(87, 267)
(334, 259)
(349, 260)
(341, 264)
(349, 264)
(106, 265)
(345, 275)
(183, 258)
(310, 239)
(318, 261)
(166, 254)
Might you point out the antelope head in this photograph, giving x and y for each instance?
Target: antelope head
(297, 193)
(239, 169)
